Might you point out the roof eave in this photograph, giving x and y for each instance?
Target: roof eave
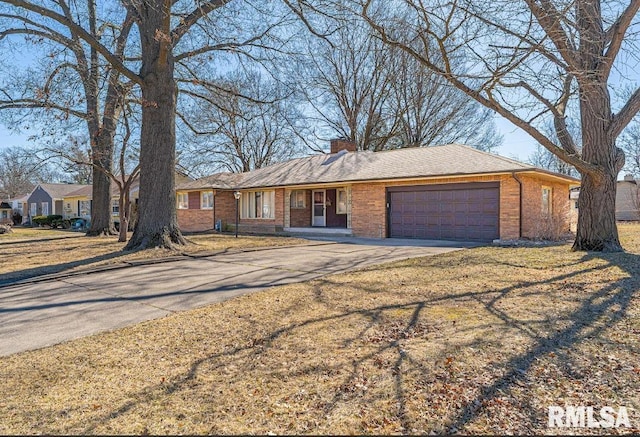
(400, 178)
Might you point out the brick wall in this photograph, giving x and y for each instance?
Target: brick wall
(369, 204)
(225, 205)
(195, 220)
(368, 208)
(534, 225)
(301, 218)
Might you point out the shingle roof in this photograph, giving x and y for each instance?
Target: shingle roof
(58, 191)
(219, 181)
(87, 190)
(448, 160)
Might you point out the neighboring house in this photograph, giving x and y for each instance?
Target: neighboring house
(6, 212)
(19, 205)
(48, 199)
(78, 203)
(627, 199)
(445, 192)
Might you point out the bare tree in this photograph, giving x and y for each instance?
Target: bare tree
(124, 172)
(432, 112)
(629, 141)
(164, 42)
(72, 79)
(347, 85)
(543, 158)
(20, 171)
(73, 158)
(381, 98)
(529, 62)
(241, 124)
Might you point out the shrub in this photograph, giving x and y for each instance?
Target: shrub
(53, 220)
(553, 227)
(16, 217)
(39, 220)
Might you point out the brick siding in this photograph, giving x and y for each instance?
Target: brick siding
(368, 207)
(369, 217)
(301, 217)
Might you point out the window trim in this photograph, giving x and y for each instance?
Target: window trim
(340, 210)
(202, 197)
(182, 200)
(248, 204)
(546, 209)
(296, 204)
(45, 207)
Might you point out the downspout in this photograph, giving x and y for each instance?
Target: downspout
(514, 176)
(213, 201)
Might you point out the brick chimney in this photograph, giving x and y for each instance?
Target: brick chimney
(339, 144)
(627, 177)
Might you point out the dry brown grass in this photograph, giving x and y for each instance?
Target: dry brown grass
(476, 341)
(28, 252)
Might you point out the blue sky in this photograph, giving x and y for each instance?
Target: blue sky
(517, 144)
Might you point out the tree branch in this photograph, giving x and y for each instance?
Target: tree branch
(82, 33)
(615, 35)
(626, 114)
(201, 11)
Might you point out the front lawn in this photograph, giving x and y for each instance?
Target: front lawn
(476, 341)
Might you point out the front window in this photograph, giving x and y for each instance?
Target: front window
(45, 208)
(115, 207)
(206, 200)
(33, 209)
(341, 202)
(183, 200)
(84, 209)
(547, 206)
(257, 204)
(298, 199)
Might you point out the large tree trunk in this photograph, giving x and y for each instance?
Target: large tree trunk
(597, 228)
(101, 217)
(157, 224)
(125, 211)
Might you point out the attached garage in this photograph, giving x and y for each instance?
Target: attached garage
(467, 211)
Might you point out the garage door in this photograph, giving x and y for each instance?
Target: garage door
(445, 212)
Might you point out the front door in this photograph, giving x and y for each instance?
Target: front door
(318, 216)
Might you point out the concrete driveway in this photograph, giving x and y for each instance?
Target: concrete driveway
(42, 313)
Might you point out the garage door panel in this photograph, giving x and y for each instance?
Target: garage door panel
(446, 212)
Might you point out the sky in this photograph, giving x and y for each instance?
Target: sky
(517, 144)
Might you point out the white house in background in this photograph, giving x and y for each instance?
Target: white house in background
(19, 204)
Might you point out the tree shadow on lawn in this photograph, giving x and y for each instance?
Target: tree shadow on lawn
(596, 313)
(43, 272)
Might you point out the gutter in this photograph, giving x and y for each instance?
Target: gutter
(515, 176)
